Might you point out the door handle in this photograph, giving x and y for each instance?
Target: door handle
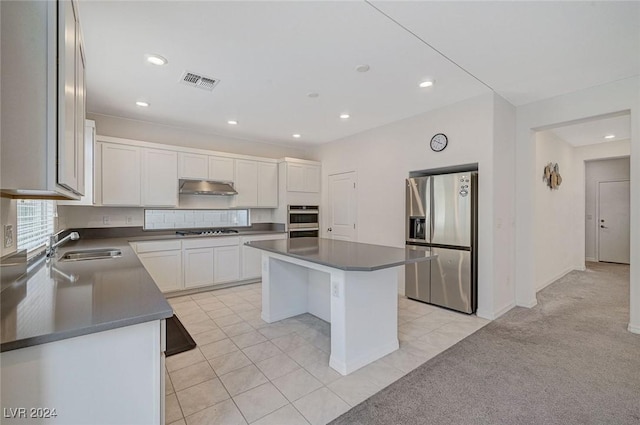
(329, 229)
(603, 227)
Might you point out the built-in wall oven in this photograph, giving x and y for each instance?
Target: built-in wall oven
(304, 221)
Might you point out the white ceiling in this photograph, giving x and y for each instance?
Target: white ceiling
(270, 55)
(593, 131)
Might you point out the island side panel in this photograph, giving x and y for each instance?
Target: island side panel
(364, 318)
(284, 289)
(110, 377)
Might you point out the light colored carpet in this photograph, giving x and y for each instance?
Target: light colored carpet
(569, 360)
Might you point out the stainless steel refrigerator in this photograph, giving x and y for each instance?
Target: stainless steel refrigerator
(442, 214)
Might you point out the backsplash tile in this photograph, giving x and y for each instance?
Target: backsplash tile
(195, 219)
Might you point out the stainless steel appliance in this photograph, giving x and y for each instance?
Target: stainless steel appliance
(206, 187)
(206, 232)
(303, 221)
(442, 214)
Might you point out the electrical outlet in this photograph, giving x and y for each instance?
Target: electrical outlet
(8, 235)
(128, 219)
(106, 219)
(335, 289)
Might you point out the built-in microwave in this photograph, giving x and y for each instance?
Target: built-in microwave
(303, 221)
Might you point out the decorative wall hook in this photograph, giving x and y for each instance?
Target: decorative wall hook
(551, 175)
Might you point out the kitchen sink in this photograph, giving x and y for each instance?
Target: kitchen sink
(91, 254)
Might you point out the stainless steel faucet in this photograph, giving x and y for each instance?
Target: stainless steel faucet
(54, 243)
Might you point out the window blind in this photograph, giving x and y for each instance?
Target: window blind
(35, 223)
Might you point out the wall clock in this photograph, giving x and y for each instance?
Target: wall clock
(439, 142)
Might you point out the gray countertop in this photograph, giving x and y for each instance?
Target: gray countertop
(343, 255)
(57, 300)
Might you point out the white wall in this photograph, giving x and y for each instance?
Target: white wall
(504, 147)
(622, 95)
(383, 158)
(556, 212)
(598, 171)
(107, 125)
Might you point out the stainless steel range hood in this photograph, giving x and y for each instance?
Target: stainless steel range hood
(206, 187)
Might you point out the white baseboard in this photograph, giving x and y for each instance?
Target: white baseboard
(634, 328)
(590, 259)
(494, 315)
(361, 361)
(553, 279)
(528, 304)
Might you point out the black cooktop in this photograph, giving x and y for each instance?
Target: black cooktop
(206, 232)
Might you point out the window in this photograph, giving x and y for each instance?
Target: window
(35, 223)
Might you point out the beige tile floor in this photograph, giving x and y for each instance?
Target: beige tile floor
(245, 370)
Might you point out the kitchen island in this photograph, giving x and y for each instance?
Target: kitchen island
(354, 286)
(84, 340)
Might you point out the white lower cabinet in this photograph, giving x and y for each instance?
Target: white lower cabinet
(210, 261)
(193, 263)
(226, 260)
(163, 261)
(198, 267)
(252, 257)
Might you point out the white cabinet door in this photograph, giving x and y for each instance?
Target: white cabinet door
(193, 166)
(121, 175)
(246, 183)
(311, 178)
(267, 184)
(159, 178)
(198, 267)
(221, 168)
(165, 267)
(80, 115)
(226, 261)
(252, 257)
(295, 177)
(67, 138)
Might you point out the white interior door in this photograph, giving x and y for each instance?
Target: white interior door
(613, 222)
(342, 206)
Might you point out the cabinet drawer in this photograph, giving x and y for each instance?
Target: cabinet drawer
(211, 242)
(142, 247)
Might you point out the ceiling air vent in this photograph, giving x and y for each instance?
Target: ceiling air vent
(195, 80)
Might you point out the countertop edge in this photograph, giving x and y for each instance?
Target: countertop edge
(60, 336)
(345, 268)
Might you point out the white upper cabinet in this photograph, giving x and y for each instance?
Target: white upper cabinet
(120, 175)
(295, 177)
(159, 178)
(43, 79)
(193, 166)
(267, 185)
(303, 177)
(134, 176)
(87, 168)
(246, 183)
(256, 183)
(221, 168)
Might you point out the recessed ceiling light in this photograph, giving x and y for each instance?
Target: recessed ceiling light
(609, 136)
(297, 136)
(363, 68)
(345, 116)
(427, 83)
(156, 60)
(232, 122)
(142, 104)
(313, 94)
